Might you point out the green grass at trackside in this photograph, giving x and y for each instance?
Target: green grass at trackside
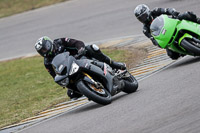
(26, 88)
(10, 7)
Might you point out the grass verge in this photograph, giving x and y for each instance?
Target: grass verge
(27, 88)
(10, 7)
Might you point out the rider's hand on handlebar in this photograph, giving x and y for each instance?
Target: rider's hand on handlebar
(175, 14)
(81, 52)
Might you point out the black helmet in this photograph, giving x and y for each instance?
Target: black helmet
(45, 47)
(142, 13)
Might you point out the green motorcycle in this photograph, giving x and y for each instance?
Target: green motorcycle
(180, 36)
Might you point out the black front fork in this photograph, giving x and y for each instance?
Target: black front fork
(196, 40)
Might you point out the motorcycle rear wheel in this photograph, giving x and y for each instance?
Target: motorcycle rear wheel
(131, 84)
(101, 96)
(190, 46)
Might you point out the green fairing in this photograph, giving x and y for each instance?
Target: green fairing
(165, 31)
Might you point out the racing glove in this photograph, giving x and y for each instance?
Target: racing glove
(173, 12)
(81, 52)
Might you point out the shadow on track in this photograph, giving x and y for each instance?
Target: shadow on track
(95, 106)
(186, 62)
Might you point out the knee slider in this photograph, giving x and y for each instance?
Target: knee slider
(95, 47)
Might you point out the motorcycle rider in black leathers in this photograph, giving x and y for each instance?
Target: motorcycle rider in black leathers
(49, 49)
(144, 15)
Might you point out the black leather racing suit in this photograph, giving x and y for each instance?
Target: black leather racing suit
(168, 11)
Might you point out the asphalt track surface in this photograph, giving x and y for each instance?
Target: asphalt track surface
(166, 102)
(87, 20)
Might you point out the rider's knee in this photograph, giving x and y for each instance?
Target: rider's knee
(93, 49)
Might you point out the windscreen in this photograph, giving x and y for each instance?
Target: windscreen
(60, 62)
(157, 26)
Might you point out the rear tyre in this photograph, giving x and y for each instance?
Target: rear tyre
(100, 95)
(131, 84)
(191, 46)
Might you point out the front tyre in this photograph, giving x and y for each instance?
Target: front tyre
(191, 46)
(131, 84)
(173, 55)
(98, 95)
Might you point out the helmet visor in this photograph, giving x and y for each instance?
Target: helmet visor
(44, 51)
(51, 52)
(143, 17)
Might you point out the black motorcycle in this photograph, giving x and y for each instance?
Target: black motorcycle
(96, 80)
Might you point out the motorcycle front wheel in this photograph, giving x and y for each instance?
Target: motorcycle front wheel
(98, 95)
(191, 46)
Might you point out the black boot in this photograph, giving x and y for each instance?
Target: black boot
(97, 54)
(73, 94)
(118, 65)
(113, 64)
